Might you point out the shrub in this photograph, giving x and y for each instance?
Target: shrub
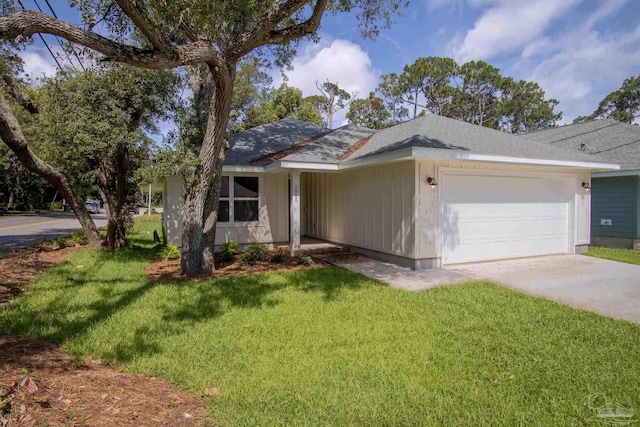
(277, 257)
(256, 252)
(170, 252)
(56, 206)
(305, 260)
(229, 250)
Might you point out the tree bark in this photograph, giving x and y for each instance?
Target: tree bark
(112, 182)
(202, 191)
(11, 134)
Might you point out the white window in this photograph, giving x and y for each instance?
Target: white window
(239, 199)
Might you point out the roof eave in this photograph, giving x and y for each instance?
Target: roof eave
(419, 152)
(622, 172)
(461, 155)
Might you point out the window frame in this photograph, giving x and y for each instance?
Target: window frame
(231, 199)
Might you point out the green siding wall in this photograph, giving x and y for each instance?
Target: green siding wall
(616, 199)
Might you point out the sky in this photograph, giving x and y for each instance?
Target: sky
(578, 51)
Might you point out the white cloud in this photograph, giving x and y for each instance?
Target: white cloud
(341, 62)
(38, 62)
(587, 66)
(582, 64)
(508, 25)
(456, 5)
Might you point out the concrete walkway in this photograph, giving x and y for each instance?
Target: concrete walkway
(606, 287)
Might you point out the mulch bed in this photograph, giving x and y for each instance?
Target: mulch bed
(19, 268)
(89, 395)
(68, 395)
(170, 269)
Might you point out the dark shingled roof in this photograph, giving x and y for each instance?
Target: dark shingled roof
(331, 148)
(260, 141)
(614, 141)
(294, 140)
(433, 131)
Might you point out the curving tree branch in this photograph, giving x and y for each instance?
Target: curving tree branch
(26, 22)
(134, 10)
(264, 32)
(306, 28)
(20, 96)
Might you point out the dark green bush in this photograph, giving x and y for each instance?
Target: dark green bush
(305, 260)
(229, 250)
(259, 251)
(255, 253)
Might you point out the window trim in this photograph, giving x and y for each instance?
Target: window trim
(232, 198)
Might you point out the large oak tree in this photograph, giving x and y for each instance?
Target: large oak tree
(209, 38)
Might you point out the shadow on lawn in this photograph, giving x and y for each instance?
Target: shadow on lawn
(74, 301)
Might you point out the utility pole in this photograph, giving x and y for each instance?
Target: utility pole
(149, 200)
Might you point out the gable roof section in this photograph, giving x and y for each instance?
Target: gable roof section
(332, 147)
(438, 132)
(292, 143)
(261, 141)
(614, 141)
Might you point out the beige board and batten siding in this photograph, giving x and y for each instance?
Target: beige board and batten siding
(272, 226)
(370, 208)
(428, 228)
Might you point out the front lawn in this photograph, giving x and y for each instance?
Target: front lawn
(622, 255)
(325, 346)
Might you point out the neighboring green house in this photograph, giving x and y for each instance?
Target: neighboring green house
(615, 200)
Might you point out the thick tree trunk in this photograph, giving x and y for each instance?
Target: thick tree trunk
(200, 199)
(112, 182)
(11, 134)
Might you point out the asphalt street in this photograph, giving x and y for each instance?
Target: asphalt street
(18, 232)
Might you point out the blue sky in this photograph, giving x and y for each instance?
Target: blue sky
(577, 50)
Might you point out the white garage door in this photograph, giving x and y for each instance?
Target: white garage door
(495, 217)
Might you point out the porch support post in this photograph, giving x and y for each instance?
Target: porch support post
(294, 215)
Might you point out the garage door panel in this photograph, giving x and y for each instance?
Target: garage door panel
(489, 217)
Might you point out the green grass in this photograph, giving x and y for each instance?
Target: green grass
(622, 255)
(325, 346)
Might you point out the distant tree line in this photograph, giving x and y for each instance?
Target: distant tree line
(622, 104)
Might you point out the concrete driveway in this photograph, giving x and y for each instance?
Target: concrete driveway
(606, 287)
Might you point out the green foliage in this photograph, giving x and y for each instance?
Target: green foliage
(229, 250)
(283, 102)
(474, 92)
(56, 206)
(370, 112)
(391, 91)
(247, 259)
(256, 252)
(170, 252)
(249, 90)
(622, 104)
(305, 260)
(20, 189)
(96, 125)
(332, 99)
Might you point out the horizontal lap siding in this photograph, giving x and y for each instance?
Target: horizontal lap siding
(615, 198)
(370, 208)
